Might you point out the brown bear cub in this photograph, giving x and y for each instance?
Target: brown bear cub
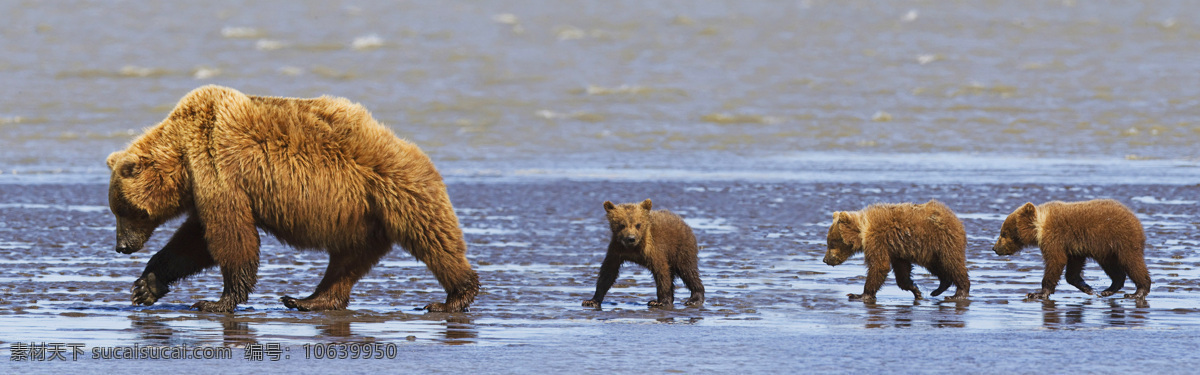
(658, 240)
(1069, 233)
(896, 236)
(316, 173)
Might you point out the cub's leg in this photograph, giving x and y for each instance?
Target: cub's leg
(664, 283)
(690, 275)
(877, 270)
(1116, 273)
(1074, 275)
(609, 270)
(1055, 259)
(903, 271)
(1134, 265)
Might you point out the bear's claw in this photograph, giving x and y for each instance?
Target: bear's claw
(147, 290)
(591, 303)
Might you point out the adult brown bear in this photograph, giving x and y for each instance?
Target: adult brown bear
(316, 173)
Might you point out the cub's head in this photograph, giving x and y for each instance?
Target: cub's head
(844, 238)
(629, 222)
(1018, 231)
(143, 193)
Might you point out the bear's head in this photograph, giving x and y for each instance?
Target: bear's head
(1018, 231)
(844, 238)
(630, 222)
(146, 190)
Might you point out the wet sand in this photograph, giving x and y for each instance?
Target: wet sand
(772, 305)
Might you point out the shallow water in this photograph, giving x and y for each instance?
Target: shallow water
(753, 120)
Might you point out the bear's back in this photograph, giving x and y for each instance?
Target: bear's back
(671, 232)
(919, 231)
(1095, 218)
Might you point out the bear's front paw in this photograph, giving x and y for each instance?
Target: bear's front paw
(694, 302)
(861, 297)
(1139, 295)
(219, 306)
(660, 304)
(1040, 294)
(1107, 293)
(956, 298)
(147, 290)
(293, 303)
(591, 303)
(443, 307)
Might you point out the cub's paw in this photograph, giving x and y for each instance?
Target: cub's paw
(956, 298)
(694, 302)
(660, 304)
(1107, 293)
(917, 294)
(1041, 294)
(861, 297)
(591, 303)
(1140, 296)
(444, 307)
(147, 290)
(219, 306)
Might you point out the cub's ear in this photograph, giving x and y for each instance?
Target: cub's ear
(849, 228)
(608, 206)
(113, 158)
(1028, 211)
(646, 204)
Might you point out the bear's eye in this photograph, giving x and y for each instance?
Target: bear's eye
(638, 226)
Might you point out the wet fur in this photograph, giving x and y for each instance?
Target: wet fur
(658, 240)
(896, 236)
(1068, 234)
(316, 173)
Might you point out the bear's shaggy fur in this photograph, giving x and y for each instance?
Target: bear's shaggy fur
(896, 236)
(658, 240)
(316, 173)
(1069, 233)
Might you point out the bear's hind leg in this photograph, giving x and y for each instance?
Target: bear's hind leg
(1135, 266)
(184, 255)
(345, 268)
(903, 271)
(944, 281)
(691, 278)
(1074, 274)
(447, 259)
(1116, 273)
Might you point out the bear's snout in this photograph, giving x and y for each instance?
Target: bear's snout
(629, 240)
(830, 259)
(126, 249)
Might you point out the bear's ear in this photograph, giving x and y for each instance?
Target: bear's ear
(849, 228)
(128, 169)
(1027, 212)
(113, 158)
(646, 204)
(608, 206)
